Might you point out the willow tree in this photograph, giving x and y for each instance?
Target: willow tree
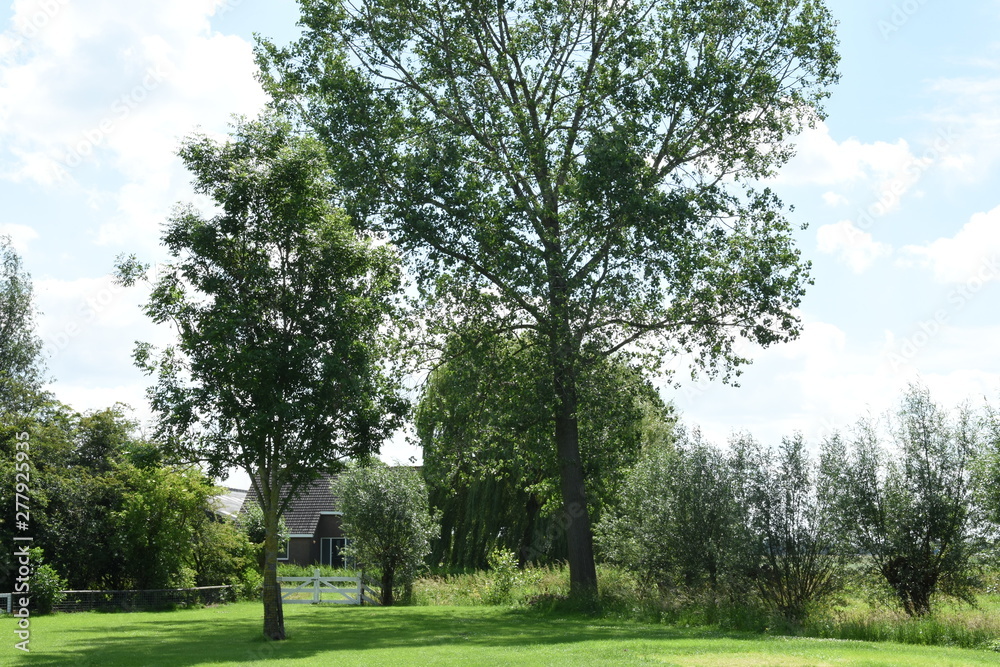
(480, 421)
(587, 170)
(280, 308)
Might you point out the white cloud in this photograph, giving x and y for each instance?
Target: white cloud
(88, 327)
(855, 247)
(972, 254)
(20, 236)
(97, 95)
(835, 199)
(825, 381)
(968, 103)
(822, 160)
(83, 398)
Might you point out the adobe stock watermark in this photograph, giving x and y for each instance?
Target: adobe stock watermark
(21, 596)
(30, 26)
(120, 110)
(930, 328)
(557, 529)
(90, 308)
(899, 16)
(912, 173)
(227, 6)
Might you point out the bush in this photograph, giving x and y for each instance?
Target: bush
(911, 509)
(248, 585)
(220, 552)
(505, 577)
(675, 524)
(791, 545)
(46, 585)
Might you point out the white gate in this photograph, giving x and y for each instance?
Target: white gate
(311, 590)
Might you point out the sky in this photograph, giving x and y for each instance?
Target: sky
(898, 187)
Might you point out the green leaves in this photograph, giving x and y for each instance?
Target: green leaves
(579, 169)
(279, 306)
(910, 508)
(21, 363)
(276, 300)
(387, 519)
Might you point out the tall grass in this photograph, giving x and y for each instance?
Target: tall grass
(856, 616)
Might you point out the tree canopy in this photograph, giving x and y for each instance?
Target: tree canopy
(279, 307)
(20, 348)
(581, 169)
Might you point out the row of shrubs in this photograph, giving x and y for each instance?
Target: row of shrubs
(912, 499)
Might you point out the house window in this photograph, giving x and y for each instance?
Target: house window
(331, 552)
(283, 549)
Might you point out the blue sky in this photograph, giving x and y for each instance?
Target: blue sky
(898, 185)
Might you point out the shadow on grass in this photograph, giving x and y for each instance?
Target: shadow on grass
(180, 639)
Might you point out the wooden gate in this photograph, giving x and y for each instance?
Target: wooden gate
(330, 590)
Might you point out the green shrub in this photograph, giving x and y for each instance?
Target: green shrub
(507, 583)
(503, 565)
(46, 585)
(248, 585)
(293, 570)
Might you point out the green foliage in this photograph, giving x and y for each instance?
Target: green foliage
(248, 585)
(220, 552)
(154, 524)
(388, 520)
(910, 507)
(987, 467)
(694, 523)
(480, 420)
(46, 585)
(20, 347)
(280, 308)
(675, 525)
(790, 553)
(103, 520)
(251, 523)
(581, 170)
(505, 577)
(293, 570)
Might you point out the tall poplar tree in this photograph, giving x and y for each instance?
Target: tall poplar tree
(587, 170)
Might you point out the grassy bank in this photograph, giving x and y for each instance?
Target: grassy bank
(482, 635)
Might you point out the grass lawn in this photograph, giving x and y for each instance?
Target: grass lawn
(230, 635)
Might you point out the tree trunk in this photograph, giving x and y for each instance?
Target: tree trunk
(576, 518)
(525, 551)
(564, 356)
(387, 577)
(274, 618)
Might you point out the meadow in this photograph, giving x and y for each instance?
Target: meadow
(229, 635)
(449, 621)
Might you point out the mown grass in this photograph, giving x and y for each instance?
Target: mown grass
(443, 635)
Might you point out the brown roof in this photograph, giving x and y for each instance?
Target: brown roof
(303, 515)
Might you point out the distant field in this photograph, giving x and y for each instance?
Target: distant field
(230, 635)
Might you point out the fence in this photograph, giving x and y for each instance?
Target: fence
(141, 600)
(310, 590)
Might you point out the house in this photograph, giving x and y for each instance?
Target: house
(315, 535)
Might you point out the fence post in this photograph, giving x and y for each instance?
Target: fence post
(361, 590)
(316, 594)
